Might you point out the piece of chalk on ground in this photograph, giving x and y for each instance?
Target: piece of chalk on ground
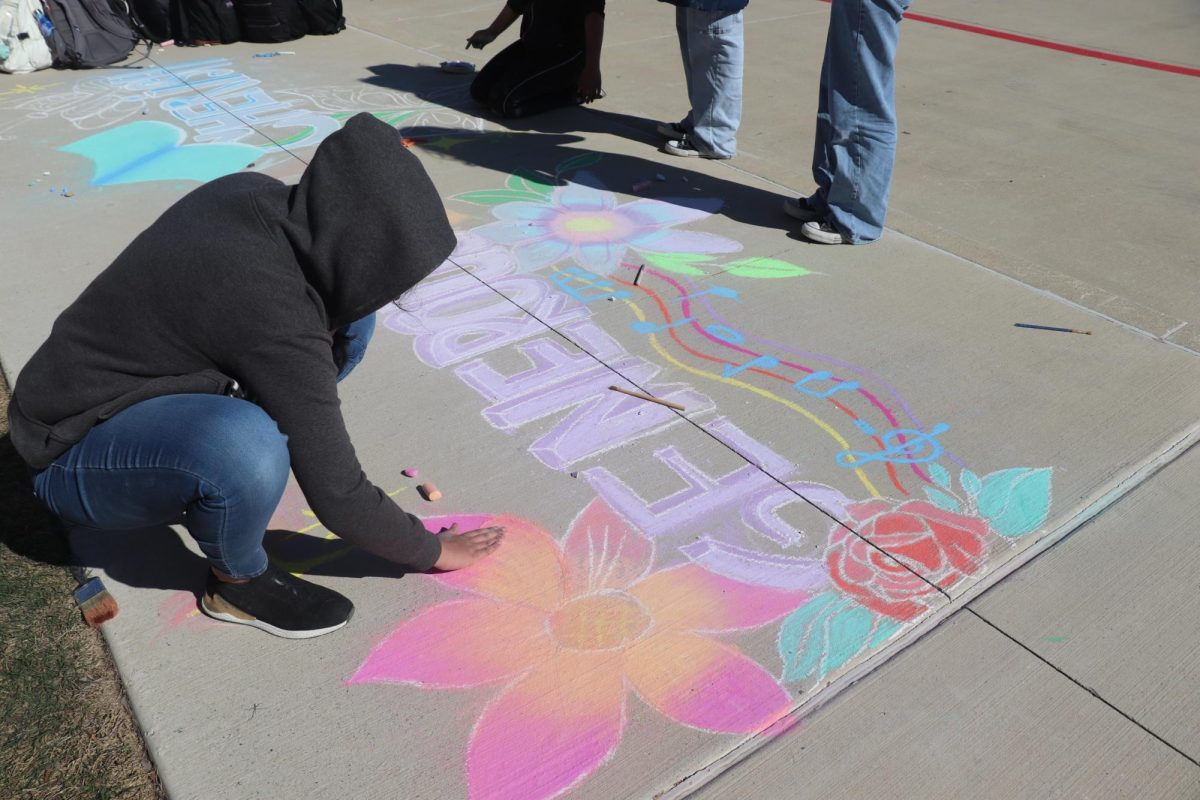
(429, 492)
(1049, 328)
(647, 397)
(639, 274)
(411, 472)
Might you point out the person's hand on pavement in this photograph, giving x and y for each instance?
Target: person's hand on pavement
(464, 549)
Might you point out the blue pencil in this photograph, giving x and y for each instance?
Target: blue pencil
(1049, 328)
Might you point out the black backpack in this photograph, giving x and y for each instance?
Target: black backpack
(90, 33)
(196, 22)
(154, 17)
(324, 16)
(271, 20)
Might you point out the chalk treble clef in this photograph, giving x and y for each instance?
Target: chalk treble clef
(901, 446)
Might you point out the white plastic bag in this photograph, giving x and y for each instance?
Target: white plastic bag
(19, 34)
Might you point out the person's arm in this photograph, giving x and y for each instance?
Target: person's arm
(294, 380)
(590, 85)
(485, 36)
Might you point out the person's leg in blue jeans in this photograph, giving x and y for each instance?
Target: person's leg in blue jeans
(217, 464)
(856, 117)
(711, 45)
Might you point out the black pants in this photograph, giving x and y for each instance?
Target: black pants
(522, 80)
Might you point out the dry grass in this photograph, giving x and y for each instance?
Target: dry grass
(66, 731)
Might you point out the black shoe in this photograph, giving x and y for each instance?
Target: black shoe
(278, 603)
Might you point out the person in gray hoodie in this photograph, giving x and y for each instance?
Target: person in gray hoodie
(202, 365)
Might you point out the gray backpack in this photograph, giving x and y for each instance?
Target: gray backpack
(90, 33)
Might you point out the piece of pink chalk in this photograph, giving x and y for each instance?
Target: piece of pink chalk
(411, 472)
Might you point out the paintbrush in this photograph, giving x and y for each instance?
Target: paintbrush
(95, 603)
(1049, 328)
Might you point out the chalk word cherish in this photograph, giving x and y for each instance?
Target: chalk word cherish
(458, 319)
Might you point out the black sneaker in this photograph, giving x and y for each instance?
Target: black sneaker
(671, 130)
(278, 603)
(799, 208)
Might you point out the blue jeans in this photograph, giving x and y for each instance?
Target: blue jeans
(856, 116)
(711, 45)
(216, 464)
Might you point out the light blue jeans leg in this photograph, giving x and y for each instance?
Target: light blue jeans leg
(856, 116)
(711, 43)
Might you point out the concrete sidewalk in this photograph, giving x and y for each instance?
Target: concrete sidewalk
(718, 580)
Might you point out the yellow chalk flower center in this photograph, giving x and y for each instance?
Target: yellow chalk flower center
(599, 621)
(588, 223)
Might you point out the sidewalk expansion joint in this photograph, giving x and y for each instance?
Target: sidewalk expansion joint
(1080, 684)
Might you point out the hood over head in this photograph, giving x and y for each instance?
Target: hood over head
(365, 220)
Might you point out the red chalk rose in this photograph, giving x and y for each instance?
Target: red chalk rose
(940, 545)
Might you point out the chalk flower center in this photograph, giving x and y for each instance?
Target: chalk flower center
(592, 226)
(599, 621)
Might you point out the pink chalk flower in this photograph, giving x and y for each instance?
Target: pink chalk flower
(566, 631)
(587, 226)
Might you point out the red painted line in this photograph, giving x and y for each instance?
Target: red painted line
(1050, 45)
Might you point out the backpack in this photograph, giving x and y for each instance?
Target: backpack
(324, 16)
(271, 20)
(90, 33)
(196, 22)
(22, 46)
(155, 18)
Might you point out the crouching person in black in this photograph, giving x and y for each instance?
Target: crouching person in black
(202, 365)
(556, 62)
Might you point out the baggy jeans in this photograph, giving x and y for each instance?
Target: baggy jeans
(712, 49)
(856, 116)
(217, 464)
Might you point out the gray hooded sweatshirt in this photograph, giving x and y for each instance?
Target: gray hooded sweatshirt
(242, 280)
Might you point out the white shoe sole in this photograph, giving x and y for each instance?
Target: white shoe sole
(263, 626)
(813, 233)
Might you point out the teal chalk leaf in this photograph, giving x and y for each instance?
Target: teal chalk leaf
(822, 635)
(939, 475)
(577, 162)
(496, 197)
(1015, 501)
(765, 268)
(149, 150)
(883, 631)
(942, 500)
(680, 263)
(524, 180)
(970, 482)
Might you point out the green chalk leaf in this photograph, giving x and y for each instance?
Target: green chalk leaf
(680, 263)
(524, 180)
(577, 162)
(765, 268)
(496, 197)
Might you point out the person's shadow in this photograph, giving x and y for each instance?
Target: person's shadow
(539, 143)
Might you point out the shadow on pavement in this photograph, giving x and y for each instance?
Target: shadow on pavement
(539, 143)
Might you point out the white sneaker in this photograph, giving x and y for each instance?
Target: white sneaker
(683, 147)
(823, 233)
(671, 130)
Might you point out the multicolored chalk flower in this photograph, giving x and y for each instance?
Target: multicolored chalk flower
(567, 631)
(587, 226)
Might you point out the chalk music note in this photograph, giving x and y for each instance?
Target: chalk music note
(642, 326)
(716, 291)
(573, 275)
(769, 362)
(725, 334)
(919, 448)
(821, 375)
